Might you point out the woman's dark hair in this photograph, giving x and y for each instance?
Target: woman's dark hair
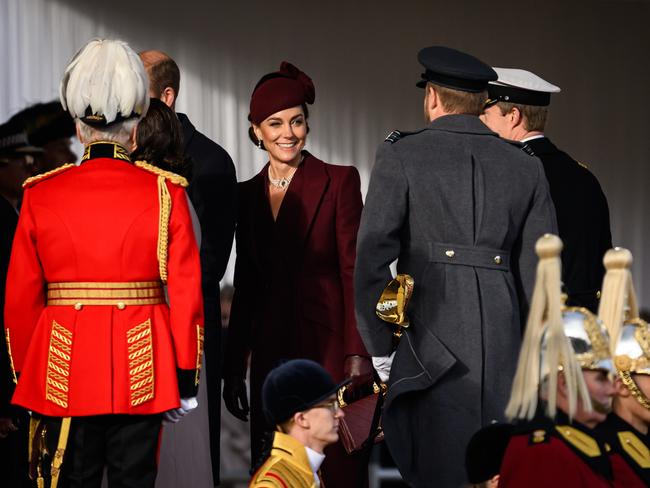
(255, 140)
(159, 140)
(267, 445)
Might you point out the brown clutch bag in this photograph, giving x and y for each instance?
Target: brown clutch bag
(361, 425)
(362, 405)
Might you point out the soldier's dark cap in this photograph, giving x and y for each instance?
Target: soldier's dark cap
(295, 386)
(14, 141)
(45, 122)
(485, 452)
(520, 87)
(454, 69)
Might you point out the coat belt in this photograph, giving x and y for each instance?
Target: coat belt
(479, 257)
(119, 294)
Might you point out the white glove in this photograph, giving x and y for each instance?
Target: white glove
(382, 365)
(175, 414)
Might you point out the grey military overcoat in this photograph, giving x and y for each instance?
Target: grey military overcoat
(461, 210)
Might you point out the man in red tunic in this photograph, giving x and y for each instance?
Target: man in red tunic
(561, 390)
(99, 352)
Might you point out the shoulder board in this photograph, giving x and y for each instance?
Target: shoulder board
(583, 165)
(29, 182)
(524, 147)
(396, 135)
(581, 441)
(168, 175)
(635, 448)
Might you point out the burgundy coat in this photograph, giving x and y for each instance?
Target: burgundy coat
(293, 277)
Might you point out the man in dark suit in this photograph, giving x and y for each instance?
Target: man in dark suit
(212, 191)
(517, 110)
(460, 210)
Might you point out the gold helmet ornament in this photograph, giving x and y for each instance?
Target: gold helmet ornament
(557, 339)
(619, 310)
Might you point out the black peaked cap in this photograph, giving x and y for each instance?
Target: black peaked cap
(454, 69)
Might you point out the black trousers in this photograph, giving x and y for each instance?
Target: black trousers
(127, 445)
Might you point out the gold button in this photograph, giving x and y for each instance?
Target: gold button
(450, 253)
(121, 305)
(497, 259)
(78, 306)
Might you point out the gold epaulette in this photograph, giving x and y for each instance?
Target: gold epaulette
(635, 448)
(578, 439)
(168, 175)
(31, 181)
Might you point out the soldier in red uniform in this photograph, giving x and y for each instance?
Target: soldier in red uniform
(99, 352)
(626, 428)
(561, 390)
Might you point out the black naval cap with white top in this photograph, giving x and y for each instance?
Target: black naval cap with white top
(520, 87)
(454, 69)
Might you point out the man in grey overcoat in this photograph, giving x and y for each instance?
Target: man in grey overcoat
(460, 210)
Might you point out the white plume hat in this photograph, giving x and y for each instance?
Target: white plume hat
(105, 83)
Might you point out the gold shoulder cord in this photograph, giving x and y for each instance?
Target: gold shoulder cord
(35, 179)
(165, 202)
(173, 177)
(11, 359)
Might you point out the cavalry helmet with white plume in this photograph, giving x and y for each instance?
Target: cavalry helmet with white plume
(558, 339)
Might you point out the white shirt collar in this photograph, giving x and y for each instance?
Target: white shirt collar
(315, 461)
(532, 138)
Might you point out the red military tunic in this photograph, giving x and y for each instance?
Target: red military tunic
(86, 319)
(542, 454)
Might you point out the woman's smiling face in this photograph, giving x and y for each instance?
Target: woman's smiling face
(284, 134)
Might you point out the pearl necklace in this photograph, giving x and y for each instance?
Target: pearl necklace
(283, 182)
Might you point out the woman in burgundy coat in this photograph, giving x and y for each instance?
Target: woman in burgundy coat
(296, 238)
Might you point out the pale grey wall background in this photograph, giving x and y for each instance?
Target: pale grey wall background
(362, 57)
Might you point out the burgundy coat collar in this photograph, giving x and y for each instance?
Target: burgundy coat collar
(299, 206)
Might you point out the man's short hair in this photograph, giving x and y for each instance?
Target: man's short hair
(461, 102)
(534, 116)
(119, 132)
(164, 74)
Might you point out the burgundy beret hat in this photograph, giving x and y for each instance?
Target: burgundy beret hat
(286, 88)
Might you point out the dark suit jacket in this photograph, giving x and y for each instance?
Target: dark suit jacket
(293, 277)
(212, 191)
(582, 219)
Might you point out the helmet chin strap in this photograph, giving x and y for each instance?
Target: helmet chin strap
(629, 383)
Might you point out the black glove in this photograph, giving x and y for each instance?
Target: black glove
(236, 398)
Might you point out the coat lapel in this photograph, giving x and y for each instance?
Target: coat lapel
(261, 219)
(302, 201)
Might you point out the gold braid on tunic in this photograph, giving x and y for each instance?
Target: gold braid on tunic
(43, 176)
(165, 202)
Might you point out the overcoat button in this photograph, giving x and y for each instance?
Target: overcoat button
(450, 253)
(78, 306)
(497, 259)
(121, 305)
